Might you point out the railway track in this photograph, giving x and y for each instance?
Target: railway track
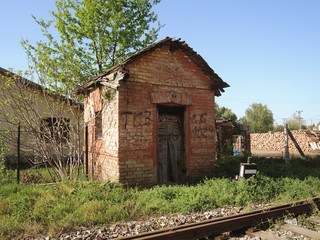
(216, 227)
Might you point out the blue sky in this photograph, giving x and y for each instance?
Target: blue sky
(268, 51)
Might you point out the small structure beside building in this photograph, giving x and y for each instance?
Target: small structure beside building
(242, 142)
(151, 119)
(41, 115)
(224, 136)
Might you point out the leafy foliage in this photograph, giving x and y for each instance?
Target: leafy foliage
(293, 122)
(226, 113)
(278, 128)
(93, 35)
(259, 118)
(5, 174)
(84, 38)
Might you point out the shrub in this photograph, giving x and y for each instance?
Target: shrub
(6, 175)
(29, 177)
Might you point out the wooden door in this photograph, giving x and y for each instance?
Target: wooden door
(171, 164)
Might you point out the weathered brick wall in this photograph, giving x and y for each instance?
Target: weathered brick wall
(136, 133)
(164, 77)
(128, 150)
(103, 153)
(202, 133)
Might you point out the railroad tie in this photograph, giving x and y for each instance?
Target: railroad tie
(263, 235)
(316, 220)
(301, 231)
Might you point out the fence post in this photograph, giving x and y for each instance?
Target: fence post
(18, 154)
(286, 144)
(246, 143)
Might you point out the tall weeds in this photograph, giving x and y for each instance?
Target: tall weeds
(27, 210)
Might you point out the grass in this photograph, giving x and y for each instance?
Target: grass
(37, 175)
(28, 209)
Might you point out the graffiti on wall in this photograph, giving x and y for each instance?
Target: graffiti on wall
(137, 119)
(134, 124)
(200, 126)
(199, 118)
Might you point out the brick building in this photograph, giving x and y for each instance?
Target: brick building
(151, 118)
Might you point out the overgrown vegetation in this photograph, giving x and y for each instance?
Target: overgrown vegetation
(259, 117)
(27, 210)
(5, 174)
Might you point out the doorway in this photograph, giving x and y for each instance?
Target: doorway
(170, 144)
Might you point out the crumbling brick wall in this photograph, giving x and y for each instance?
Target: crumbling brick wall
(103, 152)
(128, 151)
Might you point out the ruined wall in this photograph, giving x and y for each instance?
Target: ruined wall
(163, 77)
(103, 152)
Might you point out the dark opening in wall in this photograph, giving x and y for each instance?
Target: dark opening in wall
(98, 124)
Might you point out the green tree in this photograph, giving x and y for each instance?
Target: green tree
(226, 113)
(93, 35)
(278, 128)
(83, 39)
(259, 118)
(293, 122)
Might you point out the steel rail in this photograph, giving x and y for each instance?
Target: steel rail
(229, 223)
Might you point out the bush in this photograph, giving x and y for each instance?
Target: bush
(228, 166)
(29, 177)
(5, 174)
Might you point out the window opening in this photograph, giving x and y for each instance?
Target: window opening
(98, 125)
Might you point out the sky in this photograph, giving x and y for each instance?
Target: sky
(268, 51)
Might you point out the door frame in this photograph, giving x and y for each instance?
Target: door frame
(182, 112)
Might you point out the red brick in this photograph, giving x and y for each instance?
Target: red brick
(126, 153)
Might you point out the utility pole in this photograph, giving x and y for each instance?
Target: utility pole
(284, 121)
(299, 117)
(286, 144)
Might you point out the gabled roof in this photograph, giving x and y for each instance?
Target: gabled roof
(32, 85)
(217, 83)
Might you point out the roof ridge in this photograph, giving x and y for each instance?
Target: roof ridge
(217, 83)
